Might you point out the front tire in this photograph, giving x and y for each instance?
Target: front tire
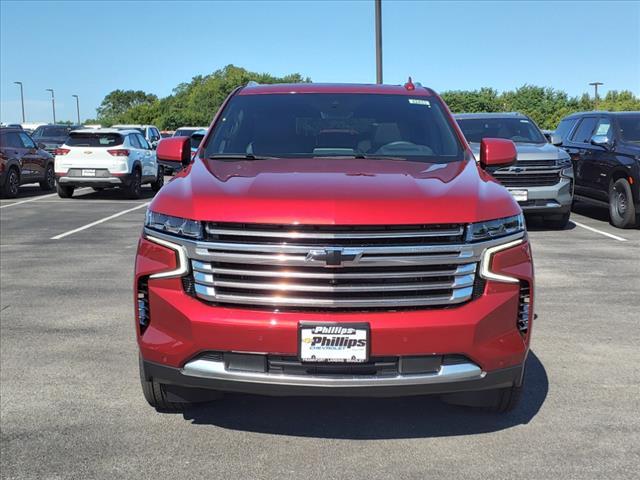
(134, 189)
(622, 211)
(155, 394)
(49, 182)
(157, 185)
(11, 184)
(64, 191)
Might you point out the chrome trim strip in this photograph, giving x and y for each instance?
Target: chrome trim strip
(208, 279)
(485, 263)
(448, 373)
(290, 235)
(458, 296)
(182, 262)
(333, 274)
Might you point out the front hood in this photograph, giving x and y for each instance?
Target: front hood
(334, 191)
(530, 151)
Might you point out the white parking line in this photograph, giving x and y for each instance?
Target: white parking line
(610, 235)
(97, 222)
(38, 198)
(27, 201)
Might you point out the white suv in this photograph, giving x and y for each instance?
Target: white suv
(104, 158)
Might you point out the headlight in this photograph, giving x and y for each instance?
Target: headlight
(491, 229)
(174, 225)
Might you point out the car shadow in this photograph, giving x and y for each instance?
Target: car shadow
(591, 211)
(535, 223)
(30, 190)
(112, 194)
(368, 418)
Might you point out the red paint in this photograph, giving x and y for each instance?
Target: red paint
(497, 152)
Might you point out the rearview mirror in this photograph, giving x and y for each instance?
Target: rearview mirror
(555, 139)
(601, 141)
(174, 150)
(497, 152)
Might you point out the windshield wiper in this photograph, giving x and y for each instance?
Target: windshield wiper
(237, 156)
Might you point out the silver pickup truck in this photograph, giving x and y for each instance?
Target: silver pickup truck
(541, 180)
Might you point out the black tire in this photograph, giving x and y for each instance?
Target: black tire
(49, 182)
(155, 395)
(11, 184)
(557, 222)
(64, 191)
(622, 211)
(134, 189)
(157, 185)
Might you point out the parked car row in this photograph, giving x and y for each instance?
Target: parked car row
(591, 157)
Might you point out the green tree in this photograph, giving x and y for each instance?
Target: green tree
(119, 102)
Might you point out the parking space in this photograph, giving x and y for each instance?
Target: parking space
(72, 405)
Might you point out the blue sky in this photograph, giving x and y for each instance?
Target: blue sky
(90, 48)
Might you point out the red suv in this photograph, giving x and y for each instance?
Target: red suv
(334, 240)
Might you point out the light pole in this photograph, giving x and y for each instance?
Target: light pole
(21, 100)
(77, 106)
(378, 41)
(53, 104)
(595, 86)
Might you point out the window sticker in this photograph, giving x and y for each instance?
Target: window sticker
(419, 101)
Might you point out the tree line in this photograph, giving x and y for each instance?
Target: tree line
(195, 103)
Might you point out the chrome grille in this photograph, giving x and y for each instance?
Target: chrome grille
(529, 173)
(376, 267)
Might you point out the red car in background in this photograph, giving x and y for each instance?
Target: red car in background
(334, 240)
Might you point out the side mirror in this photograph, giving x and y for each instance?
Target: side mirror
(497, 152)
(601, 141)
(174, 150)
(555, 139)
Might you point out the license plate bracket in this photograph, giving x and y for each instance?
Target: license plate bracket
(333, 342)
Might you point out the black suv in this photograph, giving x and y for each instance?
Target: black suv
(605, 151)
(52, 136)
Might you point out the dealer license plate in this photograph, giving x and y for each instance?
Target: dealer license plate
(88, 172)
(334, 342)
(520, 195)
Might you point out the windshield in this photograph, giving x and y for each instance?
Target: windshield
(94, 140)
(196, 138)
(139, 129)
(517, 129)
(51, 132)
(629, 128)
(185, 132)
(329, 125)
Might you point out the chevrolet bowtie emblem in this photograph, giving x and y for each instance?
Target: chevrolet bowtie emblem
(335, 257)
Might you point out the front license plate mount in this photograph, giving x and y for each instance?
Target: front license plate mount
(333, 342)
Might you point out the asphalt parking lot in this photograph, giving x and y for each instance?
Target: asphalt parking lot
(71, 404)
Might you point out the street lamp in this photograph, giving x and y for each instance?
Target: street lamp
(21, 100)
(53, 104)
(77, 106)
(378, 4)
(595, 86)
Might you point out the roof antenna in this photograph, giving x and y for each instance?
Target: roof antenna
(409, 85)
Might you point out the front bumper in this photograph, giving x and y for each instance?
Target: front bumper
(182, 328)
(213, 375)
(552, 200)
